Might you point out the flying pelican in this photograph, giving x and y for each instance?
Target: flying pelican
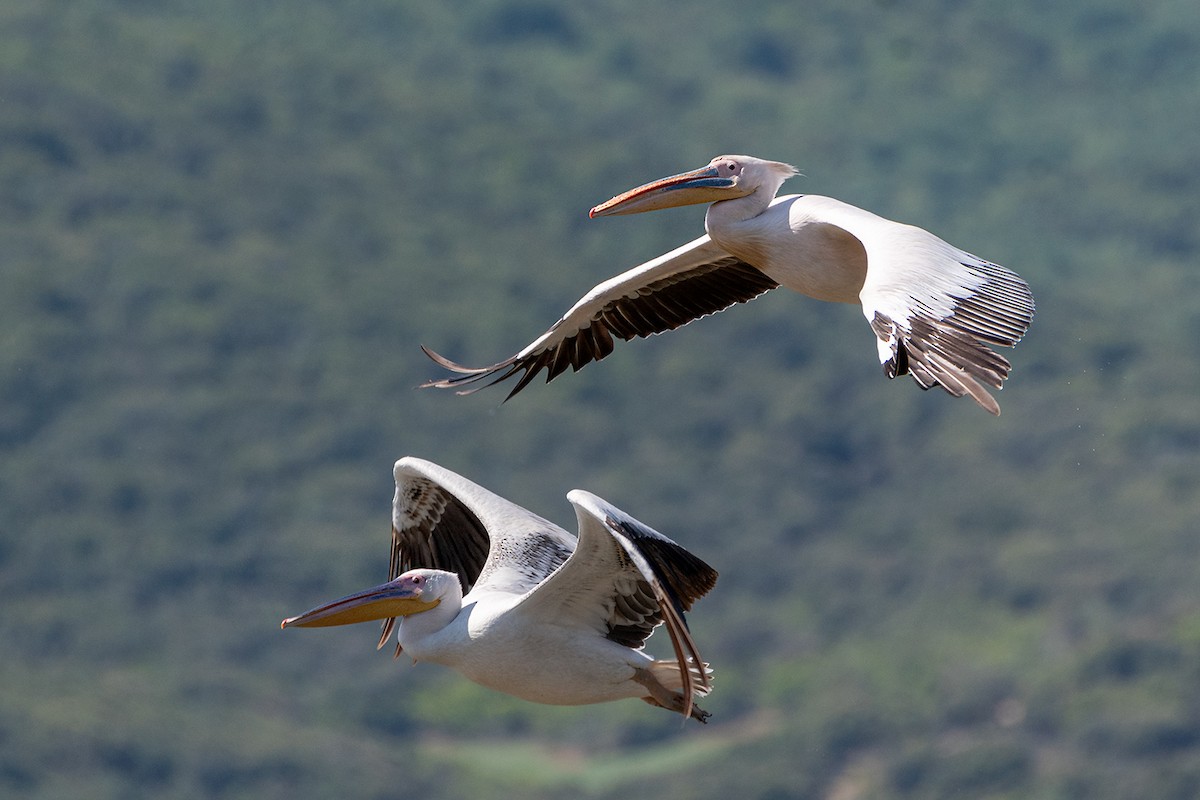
(546, 616)
(934, 308)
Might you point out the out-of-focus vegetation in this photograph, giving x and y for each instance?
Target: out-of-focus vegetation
(226, 226)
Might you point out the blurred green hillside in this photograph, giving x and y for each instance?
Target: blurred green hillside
(225, 227)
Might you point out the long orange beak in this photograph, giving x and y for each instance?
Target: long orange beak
(702, 185)
(390, 599)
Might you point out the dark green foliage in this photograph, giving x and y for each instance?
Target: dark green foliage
(225, 227)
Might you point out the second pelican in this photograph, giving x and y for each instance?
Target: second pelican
(546, 616)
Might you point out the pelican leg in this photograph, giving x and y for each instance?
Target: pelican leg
(662, 697)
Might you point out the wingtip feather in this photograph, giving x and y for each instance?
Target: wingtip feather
(453, 366)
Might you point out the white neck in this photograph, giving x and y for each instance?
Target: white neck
(724, 213)
(428, 636)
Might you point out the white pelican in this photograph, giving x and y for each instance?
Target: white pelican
(547, 617)
(934, 308)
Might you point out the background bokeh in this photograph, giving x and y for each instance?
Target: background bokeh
(226, 226)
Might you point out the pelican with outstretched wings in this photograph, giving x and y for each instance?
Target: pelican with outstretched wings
(519, 605)
(936, 310)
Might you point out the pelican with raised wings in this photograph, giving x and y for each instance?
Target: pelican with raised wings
(935, 309)
(519, 605)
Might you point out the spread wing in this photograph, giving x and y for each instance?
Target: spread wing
(937, 311)
(441, 520)
(686, 284)
(624, 580)
(942, 337)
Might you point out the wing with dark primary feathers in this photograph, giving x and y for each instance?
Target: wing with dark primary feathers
(686, 284)
(951, 348)
(624, 580)
(441, 520)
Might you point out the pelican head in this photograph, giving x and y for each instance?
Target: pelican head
(413, 592)
(724, 178)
